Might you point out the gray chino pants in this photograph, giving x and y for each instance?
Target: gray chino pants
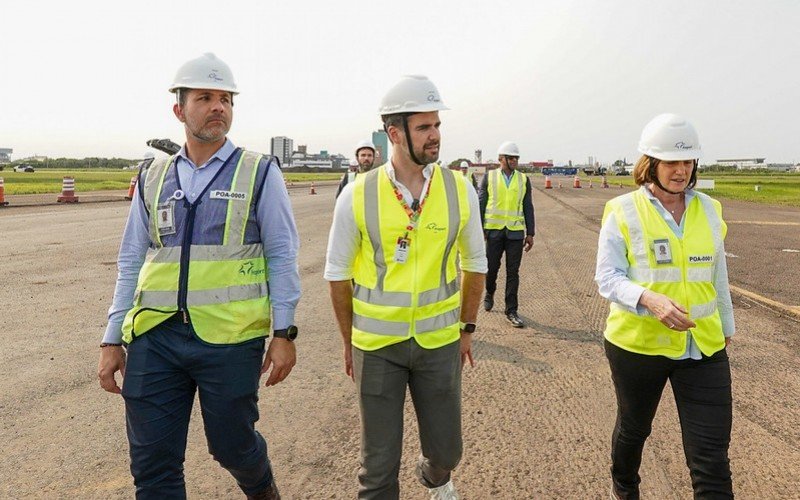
(433, 377)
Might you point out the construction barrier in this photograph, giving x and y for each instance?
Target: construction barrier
(3, 201)
(605, 182)
(548, 184)
(313, 190)
(576, 182)
(132, 187)
(68, 191)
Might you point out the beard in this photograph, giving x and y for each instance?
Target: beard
(213, 131)
(425, 155)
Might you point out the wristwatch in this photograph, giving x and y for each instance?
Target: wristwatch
(289, 333)
(467, 327)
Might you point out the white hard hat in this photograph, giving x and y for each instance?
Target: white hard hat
(508, 148)
(412, 94)
(205, 72)
(353, 162)
(365, 144)
(464, 164)
(670, 137)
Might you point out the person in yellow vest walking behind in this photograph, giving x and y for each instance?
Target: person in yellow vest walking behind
(364, 161)
(470, 176)
(405, 321)
(508, 223)
(661, 263)
(207, 270)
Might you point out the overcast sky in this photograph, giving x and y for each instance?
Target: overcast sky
(564, 79)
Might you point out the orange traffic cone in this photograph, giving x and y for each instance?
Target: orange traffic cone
(132, 187)
(605, 182)
(559, 185)
(576, 183)
(548, 184)
(3, 201)
(313, 190)
(68, 191)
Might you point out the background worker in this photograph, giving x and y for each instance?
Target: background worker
(470, 177)
(210, 244)
(396, 232)
(365, 160)
(508, 222)
(661, 263)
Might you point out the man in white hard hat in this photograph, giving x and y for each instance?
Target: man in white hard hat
(507, 215)
(396, 234)
(471, 177)
(365, 160)
(192, 303)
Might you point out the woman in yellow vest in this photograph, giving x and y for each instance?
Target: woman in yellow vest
(661, 263)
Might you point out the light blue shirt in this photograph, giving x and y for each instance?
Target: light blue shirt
(275, 224)
(613, 283)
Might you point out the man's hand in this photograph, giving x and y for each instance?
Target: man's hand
(348, 361)
(112, 360)
(281, 356)
(528, 243)
(466, 350)
(727, 341)
(669, 312)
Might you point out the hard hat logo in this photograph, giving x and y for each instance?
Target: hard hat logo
(682, 145)
(432, 97)
(213, 76)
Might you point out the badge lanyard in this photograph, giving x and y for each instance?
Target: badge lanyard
(403, 242)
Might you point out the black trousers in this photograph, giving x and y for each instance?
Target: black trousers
(702, 391)
(496, 244)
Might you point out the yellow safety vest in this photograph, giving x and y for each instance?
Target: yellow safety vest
(225, 292)
(504, 206)
(688, 279)
(420, 298)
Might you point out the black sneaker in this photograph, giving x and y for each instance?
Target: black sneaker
(488, 302)
(515, 320)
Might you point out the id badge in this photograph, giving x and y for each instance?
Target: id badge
(663, 251)
(165, 218)
(401, 250)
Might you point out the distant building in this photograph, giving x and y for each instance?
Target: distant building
(282, 147)
(302, 148)
(743, 163)
(5, 155)
(381, 142)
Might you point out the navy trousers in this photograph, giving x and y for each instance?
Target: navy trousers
(497, 244)
(702, 390)
(164, 369)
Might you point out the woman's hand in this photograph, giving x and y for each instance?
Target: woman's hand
(669, 312)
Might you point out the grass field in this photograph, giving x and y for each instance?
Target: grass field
(49, 181)
(777, 189)
(774, 189)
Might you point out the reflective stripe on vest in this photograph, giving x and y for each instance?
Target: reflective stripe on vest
(382, 316)
(686, 281)
(504, 205)
(227, 295)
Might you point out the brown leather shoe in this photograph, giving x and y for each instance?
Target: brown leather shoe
(271, 493)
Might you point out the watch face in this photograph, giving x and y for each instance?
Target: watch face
(469, 327)
(291, 332)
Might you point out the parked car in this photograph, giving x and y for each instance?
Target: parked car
(23, 168)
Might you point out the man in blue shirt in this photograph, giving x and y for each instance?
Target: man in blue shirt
(197, 197)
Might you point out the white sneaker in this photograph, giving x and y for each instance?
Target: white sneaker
(444, 492)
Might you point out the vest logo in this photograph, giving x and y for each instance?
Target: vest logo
(248, 269)
(219, 194)
(435, 228)
(701, 259)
